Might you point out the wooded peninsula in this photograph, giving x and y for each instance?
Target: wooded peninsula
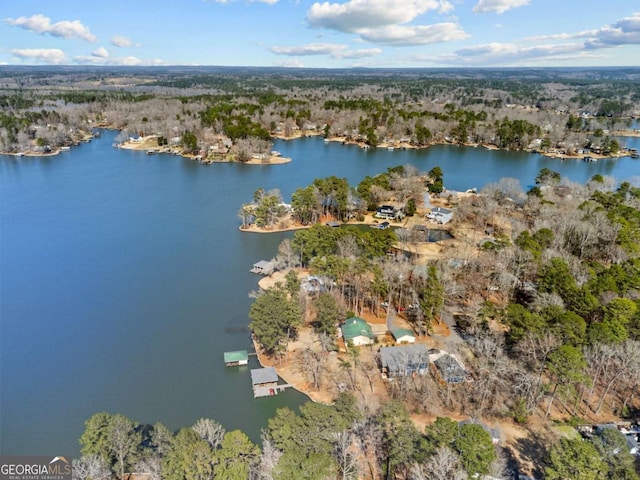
(507, 347)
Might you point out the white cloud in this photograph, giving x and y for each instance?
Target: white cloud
(293, 63)
(355, 15)
(508, 52)
(360, 53)
(46, 55)
(100, 53)
(625, 31)
(561, 36)
(397, 35)
(330, 49)
(118, 61)
(385, 21)
(549, 48)
(498, 6)
(65, 29)
(120, 41)
(309, 49)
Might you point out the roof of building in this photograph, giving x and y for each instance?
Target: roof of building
(450, 369)
(441, 210)
(263, 375)
(386, 208)
(236, 356)
(356, 327)
(402, 332)
(400, 357)
(263, 264)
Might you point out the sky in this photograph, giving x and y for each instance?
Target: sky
(321, 34)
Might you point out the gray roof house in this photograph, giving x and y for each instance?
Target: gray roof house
(404, 360)
(449, 368)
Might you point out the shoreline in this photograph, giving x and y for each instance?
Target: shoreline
(487, 146)
(149, 144)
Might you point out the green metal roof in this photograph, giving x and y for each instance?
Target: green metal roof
(237, 356)
(401, 332)
(355, 327)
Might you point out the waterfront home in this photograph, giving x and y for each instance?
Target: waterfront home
(440, 215)
(405, 360)
(236, 358)
(357, 331)
(264, 382)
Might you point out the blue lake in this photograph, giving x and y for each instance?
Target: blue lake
(124, 277)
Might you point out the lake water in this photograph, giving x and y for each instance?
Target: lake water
(123, 278)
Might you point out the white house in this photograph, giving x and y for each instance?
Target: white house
(440, 215)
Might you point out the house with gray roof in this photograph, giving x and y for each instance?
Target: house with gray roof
(440, 215)
(404, 360)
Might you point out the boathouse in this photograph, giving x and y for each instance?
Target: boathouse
(263, 267)
(236, 358)
(264, 382)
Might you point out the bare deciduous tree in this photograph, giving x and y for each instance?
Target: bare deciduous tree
(210, 431)
(90, 467)
(443, 465)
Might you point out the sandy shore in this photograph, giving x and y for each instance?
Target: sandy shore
(564, 156)
(150, 144)
(626, 133)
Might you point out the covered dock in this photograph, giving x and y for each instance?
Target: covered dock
(236, 358)
(263, 267)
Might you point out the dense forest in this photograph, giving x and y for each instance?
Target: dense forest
(546, 110)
